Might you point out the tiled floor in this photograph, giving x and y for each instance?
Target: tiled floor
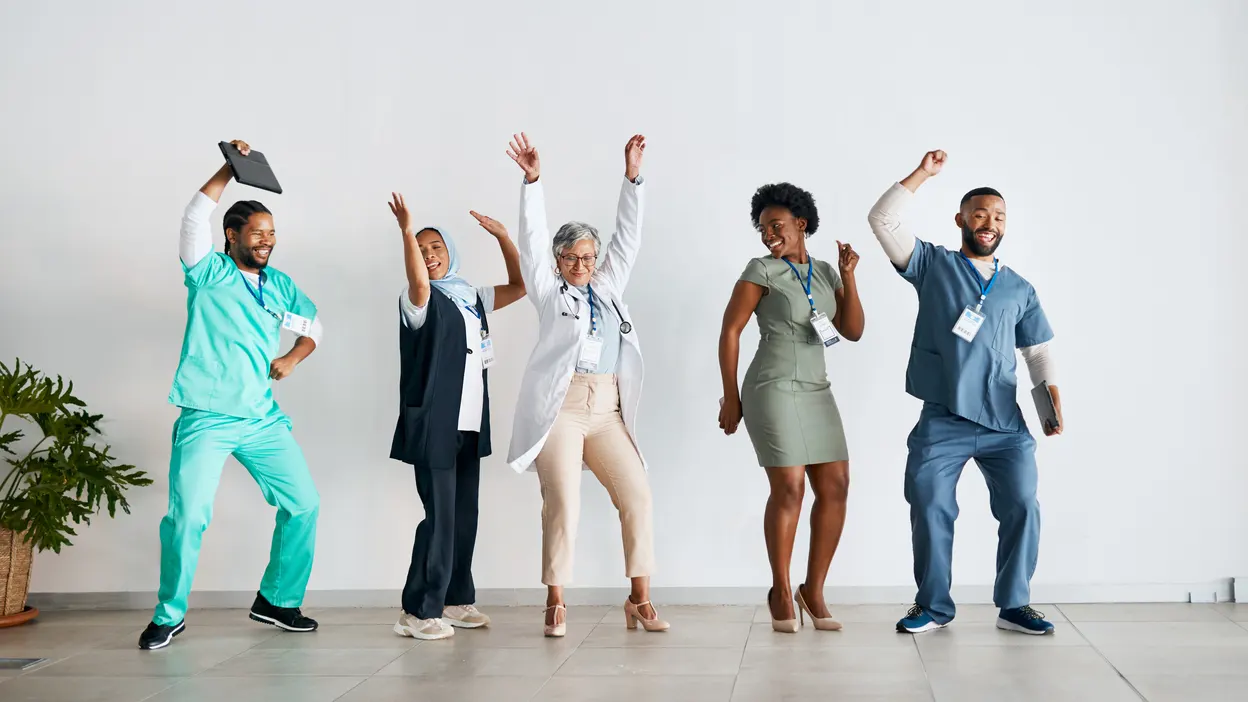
(1105, 653)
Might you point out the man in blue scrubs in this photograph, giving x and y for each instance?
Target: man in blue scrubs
(973, 314)
(236, 307)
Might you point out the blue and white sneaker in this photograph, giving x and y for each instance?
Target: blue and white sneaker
(1024, 620)
(918, 621)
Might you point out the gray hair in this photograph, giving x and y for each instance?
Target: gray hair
(572, 232)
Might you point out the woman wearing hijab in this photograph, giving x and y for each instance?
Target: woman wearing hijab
(578, 400)
(444, 417)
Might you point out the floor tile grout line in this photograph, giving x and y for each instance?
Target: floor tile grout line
(749, 634)
(163, 690)
(1105, 658)
(931, 690)
(564, 662)
(353, 687)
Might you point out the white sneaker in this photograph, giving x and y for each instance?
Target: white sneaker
(423, 629)
(465, 617)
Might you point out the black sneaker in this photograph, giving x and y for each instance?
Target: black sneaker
(158, 635)
(288, 618)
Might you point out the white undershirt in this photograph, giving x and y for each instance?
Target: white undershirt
(472, 394)
(898, 244)
(195, 242)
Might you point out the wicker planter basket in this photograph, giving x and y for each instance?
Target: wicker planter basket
(16, 556)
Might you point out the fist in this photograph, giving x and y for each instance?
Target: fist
(933, 161)
(730, 415)
(281, 367)
(847, 258)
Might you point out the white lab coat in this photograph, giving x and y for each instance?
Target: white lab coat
(553, 361)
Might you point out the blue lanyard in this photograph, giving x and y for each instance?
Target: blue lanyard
(810, 266)
(258, 295)
(474, 311)
(593, 318)
(983, 290)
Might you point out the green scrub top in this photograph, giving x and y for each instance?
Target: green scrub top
(231, 339)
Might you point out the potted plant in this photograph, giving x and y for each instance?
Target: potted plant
(56, 479)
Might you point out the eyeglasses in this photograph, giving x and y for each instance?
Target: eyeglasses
(586, 261)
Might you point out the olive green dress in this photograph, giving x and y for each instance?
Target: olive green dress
(786, 400)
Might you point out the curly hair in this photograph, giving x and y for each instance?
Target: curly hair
(792, 198)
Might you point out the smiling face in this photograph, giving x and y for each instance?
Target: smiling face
(578, 262)
(433, 249)
(982, 221)
(251, 247)
(782, 233)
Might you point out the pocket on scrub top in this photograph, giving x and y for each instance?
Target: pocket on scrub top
(926, 374)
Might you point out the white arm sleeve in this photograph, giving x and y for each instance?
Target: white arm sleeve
(413, 316)
(195, 240)
(885, 219)
(317, 332)
(1040, 363)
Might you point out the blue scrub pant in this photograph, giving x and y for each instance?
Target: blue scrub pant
(202, 441)
(940, 446)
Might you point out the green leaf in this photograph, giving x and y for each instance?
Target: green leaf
(64, 479)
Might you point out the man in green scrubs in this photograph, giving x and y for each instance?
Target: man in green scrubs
(236, 308)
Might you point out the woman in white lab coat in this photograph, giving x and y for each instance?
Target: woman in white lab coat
(578, 400)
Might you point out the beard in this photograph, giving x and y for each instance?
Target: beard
(248, 257)
(970, 242)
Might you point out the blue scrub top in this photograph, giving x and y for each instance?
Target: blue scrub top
(230, 339)
(975, 380)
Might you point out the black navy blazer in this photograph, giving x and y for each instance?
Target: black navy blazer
(431, 380)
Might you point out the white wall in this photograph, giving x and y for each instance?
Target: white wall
(1114, 128)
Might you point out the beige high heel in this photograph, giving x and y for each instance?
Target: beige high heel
(824, 624)
(560, 628)
(632, 615)
(784, 626)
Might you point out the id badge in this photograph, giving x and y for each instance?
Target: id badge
(299, 325)
(968, 324)
(487, 351)
(823, 327)
(591, 352)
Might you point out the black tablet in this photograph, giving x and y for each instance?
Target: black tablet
(1045, 407)
(252, 169)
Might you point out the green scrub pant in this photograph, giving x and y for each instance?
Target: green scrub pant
(201, 443)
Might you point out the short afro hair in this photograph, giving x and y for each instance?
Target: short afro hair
(977, 192)
(791, 198)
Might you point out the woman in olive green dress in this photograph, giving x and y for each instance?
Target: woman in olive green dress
(803, 306)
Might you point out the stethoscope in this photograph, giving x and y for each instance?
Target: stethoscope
(625, 327)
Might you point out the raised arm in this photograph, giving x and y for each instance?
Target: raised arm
(537, 263)
(514, 289)
(886, 216)
(741, 305)
(413, 262)
(617, 264)
(195, 238)
(849, 319)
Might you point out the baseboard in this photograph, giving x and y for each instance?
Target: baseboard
(1222, 590)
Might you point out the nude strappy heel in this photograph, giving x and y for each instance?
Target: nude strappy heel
(632, 615)
(560, 627)
(824, 624)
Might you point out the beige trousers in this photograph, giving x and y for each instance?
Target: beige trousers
(589, 428)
